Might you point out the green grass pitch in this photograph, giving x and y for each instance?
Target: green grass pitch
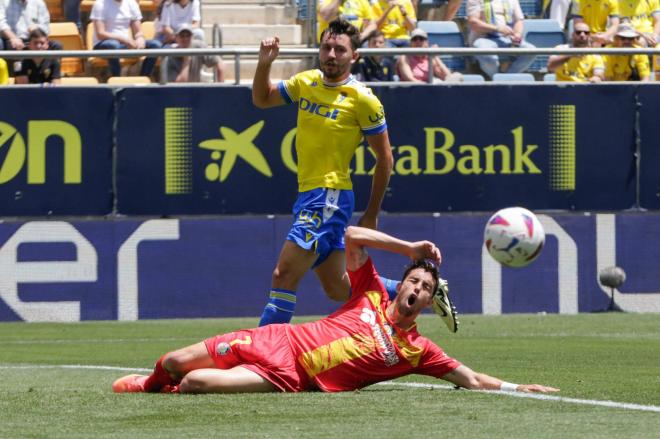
(596, 357)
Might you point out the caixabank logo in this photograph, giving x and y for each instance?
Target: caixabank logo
(440, 154)
(28, 150)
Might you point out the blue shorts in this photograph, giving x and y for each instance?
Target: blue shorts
(320, 218)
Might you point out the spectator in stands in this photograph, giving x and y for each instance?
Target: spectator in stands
(602, 17)
(582, 68)
(497, 23)
(375, 68)
(176, 13)
(20, 17)
(644, 17)
(395, 18)
(4, 72)
(358, 12)
(415, 68)
(38, 70)
(117, 26)
(557, 10)
(71, 10)
(448, 9)
(627, 67)
(188, 68)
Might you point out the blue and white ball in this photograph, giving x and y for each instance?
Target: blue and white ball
(514, 236)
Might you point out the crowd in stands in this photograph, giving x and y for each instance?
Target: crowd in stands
(118, 24)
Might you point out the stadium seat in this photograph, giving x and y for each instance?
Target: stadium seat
(68, 35)
(55, 10)
(549, 77)
(543, 33)
(79, 80)
(129, 80)
(513, 77)
(445, 34)
(531, 8)
(473, 78)
(148, 31)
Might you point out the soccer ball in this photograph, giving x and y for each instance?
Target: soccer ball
(514, 236)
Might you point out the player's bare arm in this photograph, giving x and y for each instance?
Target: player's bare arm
(380, 144)
(357, 239)
(465, 377)
(264, 93)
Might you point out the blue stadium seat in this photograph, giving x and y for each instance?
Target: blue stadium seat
(531, 8)
(543, 33)
(513, 77)
(473, 78)
(445, 34)
(549, 77)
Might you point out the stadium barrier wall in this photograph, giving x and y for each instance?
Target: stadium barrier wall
(180, 268)
(207, 150)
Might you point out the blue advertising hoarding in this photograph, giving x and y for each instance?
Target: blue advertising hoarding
(649, 137)
(184, 268)
(210, 151)
(56, 152)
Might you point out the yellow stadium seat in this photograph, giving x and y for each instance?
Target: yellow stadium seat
(148, 31)
(134, 80)
(79, 80)
(67, 34)
(55, 10)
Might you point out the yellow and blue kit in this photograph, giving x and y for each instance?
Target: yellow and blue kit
(332, 120)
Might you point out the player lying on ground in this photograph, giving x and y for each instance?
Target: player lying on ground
(369, 339)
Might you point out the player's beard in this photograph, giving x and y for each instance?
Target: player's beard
(335, 71)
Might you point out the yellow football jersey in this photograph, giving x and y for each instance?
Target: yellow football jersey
(4, 75)
(639, 13)
(332, 118)
(596, 12)
(621, 67)
(355, 11)
(580, 68)
(394, 27)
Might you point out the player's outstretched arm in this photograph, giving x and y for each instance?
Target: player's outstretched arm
(465, 377)
(380, 144)
(357, 239)
(264, 93)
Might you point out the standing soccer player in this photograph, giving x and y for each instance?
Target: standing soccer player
(334, 112)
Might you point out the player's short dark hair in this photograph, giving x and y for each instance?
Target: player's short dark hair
(37, 32)
(375, 34)
(425, 265)
(343, 27)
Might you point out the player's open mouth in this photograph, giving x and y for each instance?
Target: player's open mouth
(412, 299)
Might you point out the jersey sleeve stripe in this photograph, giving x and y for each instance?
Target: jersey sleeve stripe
(284, 93)
(375, 130)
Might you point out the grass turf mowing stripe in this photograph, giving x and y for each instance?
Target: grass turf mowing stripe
(538, 396)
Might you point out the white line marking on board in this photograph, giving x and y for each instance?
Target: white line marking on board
(539, 396)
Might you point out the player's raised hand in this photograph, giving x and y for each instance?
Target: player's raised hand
(425, 250)
(269, 50)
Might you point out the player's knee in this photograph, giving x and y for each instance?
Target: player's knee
(284, 277)
(174, 362)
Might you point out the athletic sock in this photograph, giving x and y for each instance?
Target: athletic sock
(158, 378)
(390, 286)
(280, 307)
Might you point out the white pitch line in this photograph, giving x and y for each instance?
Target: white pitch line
(539, 396)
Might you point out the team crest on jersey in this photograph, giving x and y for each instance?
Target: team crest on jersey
(223, 348)
(341, 97)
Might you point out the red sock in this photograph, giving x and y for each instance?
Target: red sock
(158, 378)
